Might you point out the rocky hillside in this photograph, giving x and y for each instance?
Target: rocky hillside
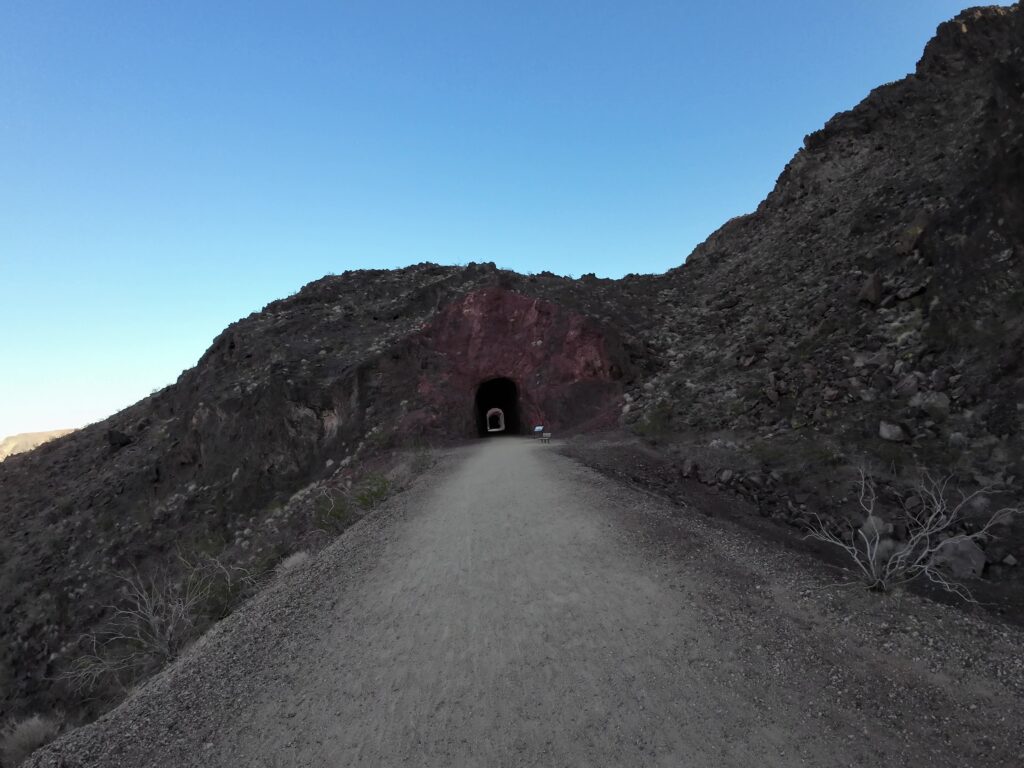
(887, 260)
(872, 309)
(26, 441)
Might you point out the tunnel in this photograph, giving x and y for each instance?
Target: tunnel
(497, 408)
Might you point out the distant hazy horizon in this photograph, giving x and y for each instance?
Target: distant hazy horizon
(169, 169)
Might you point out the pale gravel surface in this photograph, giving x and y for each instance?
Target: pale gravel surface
(517, 609)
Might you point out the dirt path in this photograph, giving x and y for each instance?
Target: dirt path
(520, 610)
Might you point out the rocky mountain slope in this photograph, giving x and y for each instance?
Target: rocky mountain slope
(871, 309)
(887, 260)
(26, 441)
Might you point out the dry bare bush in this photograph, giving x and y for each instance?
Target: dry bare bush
(156, 618)
(931, 525)
(23, 737)
(226, 585)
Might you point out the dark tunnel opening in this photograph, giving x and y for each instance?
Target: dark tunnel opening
(497, 395)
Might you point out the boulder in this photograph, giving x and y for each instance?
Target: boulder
(117, 439)
(871, 290)
(996, 551)
(960, 557)
(936, 405)
(907, 386)
(874, 526)
(910, 291)
(894, 433)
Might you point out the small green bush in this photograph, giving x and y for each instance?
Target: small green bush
(656, 423)
(335, 509)
(332, 511)
(372, 491)
(421, 460)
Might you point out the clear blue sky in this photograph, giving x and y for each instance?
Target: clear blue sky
(169, 167)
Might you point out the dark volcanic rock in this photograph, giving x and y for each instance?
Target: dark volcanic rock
(886, 265)
(892, 244)
(117, 439)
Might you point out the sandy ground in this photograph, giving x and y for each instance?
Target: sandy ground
(518, 609)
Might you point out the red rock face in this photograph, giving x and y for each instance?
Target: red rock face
(567, 368)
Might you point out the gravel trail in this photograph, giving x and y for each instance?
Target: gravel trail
(518, 609)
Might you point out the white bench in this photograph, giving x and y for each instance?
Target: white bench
(545, 437)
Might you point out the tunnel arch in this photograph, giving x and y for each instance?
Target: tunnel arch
(499, 395)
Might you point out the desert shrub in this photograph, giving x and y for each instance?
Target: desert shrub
(421, 460)
(149, 626)
(656, 423)
(156, 617)
(934, 527)
(293, 561)
(333, 511)
(23, 737)
(372, 491)
(225, 586)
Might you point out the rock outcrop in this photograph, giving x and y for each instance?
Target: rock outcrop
(870, 308)
(567, 366)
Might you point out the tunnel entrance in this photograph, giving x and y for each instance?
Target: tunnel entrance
(495, 420)
(497, 408)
